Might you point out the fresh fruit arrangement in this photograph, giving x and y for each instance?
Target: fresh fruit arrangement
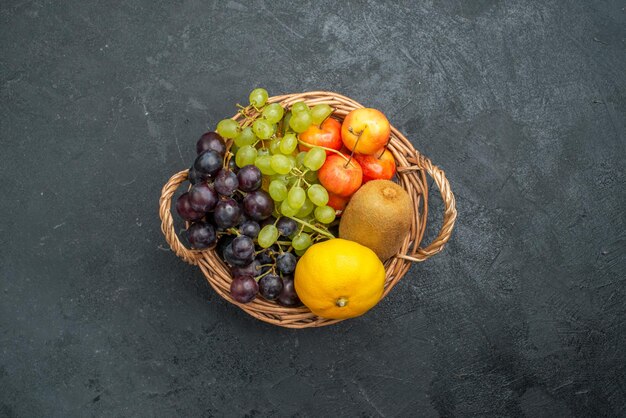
(261, 187)
(291, 211)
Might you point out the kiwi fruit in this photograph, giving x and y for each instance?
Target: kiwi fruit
(378, 216)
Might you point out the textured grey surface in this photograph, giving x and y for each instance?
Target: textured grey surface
(522, 103)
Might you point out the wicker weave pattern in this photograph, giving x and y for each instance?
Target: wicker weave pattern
(412, 170)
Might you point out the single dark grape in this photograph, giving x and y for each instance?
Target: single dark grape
(201, 235)
(211, 140)
(250, 228)
(288, 296)
(222, 243)
(286, 226)
(286, 263)
(270, 286)
(243, 247)
(226, 182)
(227, 213)
(244, 289)
(251, 269)
(184, 209)
(202, 197)
(249, 178)
(232, 165)
(258, 205)
(233, 260)
(208, 163)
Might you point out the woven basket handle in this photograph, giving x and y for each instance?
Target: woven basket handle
(167, 223)
(449, 214)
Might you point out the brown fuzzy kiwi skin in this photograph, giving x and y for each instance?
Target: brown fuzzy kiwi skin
(378, 216)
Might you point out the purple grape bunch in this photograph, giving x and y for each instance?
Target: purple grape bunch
(226, 208)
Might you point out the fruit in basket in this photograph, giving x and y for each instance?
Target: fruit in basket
(379, 217)
(270, 286)
(339, 279)
(340, 175)
(379, 166)
(365, 131)
(250, 228)
(184, 209)
(226, 182)
(249, 178)
(211, 140)
(208, 163)
(261, 199)
(258, 205)
(288, 296)
(202, 197)
(227, 128)
(327, 135)
(201, 235)
(244, 289)
(227, 213)
(258, 97)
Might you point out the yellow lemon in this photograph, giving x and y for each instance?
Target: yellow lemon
(339, 279)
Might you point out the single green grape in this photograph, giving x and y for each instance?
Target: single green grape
(315, 158)
(245, 137)
(325, 214)
(286, 119)
(320, 112)
(278, 190)
(258, 97)
(263, 151)
(264, 163)
(273, 113)
(300, 122)
(288, 144)
(228, 128)
(306, 209)
(300, 253)
(263, 129)
(300, 107)
(245, 156)
(296, 197)
(301, 241)
(287, 210)
(318, 195)
(275, 146)
(281, 164)
(300, 159)
(267, 236)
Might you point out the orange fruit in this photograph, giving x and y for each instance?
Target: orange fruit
(339, 279)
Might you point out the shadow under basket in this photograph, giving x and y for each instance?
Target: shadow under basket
(412, 171)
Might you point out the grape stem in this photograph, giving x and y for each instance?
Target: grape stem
(257, 278)
(325, 149)
(313, 227)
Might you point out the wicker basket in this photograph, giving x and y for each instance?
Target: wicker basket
(412, 168)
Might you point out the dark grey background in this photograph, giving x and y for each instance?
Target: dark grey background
(522, 103)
